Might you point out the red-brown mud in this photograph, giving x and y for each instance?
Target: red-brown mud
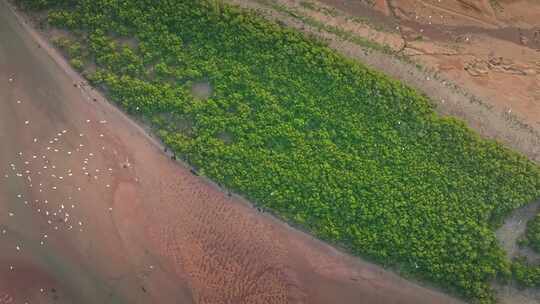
(94, 212)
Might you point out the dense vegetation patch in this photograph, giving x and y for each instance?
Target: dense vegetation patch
(532, 234)
(324, 142)
(526, 275)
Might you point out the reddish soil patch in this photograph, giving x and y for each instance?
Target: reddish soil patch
(481, 31)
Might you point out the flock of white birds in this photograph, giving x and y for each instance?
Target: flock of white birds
(37, 175)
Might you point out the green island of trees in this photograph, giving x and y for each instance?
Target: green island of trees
(356, 158)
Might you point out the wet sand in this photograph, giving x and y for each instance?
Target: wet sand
(92, 210)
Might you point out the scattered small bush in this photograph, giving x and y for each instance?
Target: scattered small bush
(77, 64)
